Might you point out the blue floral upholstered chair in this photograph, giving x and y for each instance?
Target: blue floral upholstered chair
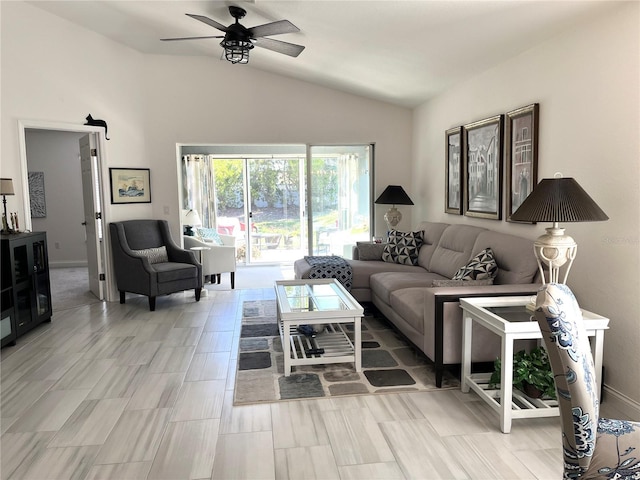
(592, 447)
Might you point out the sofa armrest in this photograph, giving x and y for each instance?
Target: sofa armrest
(436, 298)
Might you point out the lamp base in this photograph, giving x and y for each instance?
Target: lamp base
(555, 250)
(392, 217)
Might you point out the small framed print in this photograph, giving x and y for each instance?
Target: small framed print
(521, 156)
(453, 167)
(130, 185)
(483, 151)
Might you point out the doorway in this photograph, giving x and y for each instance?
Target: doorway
(50, 154)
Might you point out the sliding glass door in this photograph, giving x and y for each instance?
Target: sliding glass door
(339, 209)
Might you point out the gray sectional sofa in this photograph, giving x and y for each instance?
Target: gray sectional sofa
(428, 315)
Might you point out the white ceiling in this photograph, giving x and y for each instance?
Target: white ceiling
(398, 51)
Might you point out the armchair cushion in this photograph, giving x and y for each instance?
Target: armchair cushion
(154, 255)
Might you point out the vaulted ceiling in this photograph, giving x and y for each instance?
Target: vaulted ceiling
(402, 52)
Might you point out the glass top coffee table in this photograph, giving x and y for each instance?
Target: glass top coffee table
(509, 318)
(323, 305)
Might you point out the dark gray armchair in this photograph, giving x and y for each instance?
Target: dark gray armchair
(147, 261)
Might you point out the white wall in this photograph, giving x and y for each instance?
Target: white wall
(56, 154)
(587, 82)
(199, 100)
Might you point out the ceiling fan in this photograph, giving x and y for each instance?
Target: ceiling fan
(239, 40)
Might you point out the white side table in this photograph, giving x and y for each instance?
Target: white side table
(204, 291)
(509, 318)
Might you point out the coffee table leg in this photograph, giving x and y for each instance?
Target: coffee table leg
(358, 344)
(506, 383)
(286, 347)
(466, 350)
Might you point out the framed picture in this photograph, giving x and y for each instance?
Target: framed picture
(483, 147)
(453, 166)
(36, 194)
(521, 138)
(130, 185)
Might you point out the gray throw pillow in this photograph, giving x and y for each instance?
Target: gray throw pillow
(370, 251)
(461, 283)
(154, 255)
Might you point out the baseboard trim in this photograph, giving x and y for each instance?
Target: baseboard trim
(629, 407)
(69, 264)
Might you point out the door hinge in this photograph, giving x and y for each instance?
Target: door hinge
(102, 277)
(94, 152)
(98, 215)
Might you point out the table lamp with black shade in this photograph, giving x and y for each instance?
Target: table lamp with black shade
(6, 188)
(393, 195)
(557, 200)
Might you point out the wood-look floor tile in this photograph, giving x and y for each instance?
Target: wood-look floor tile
(18, 451)
(50, 411)
(120, 471)
(298, 424)
(85, 374)
(215, 342)
(208, 366)
(182, 337)
(138, 353)
(21, 396)
(420, 452)
(372, 471)
(199, 401)
(55, 367)
(119, 382)
(71, 463)
(91, 423)
(108, 347)
(436, 406)
(543, 463)
(158, 390)
(391, 407)
(356, 437)
(187, 450)
(241, 456)
(220, 323)
(136, 436)
(305, 463)
(152, 332)
(244, 418)
(187, 320)
(172, 359)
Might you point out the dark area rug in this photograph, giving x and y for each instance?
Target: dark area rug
(389, 363)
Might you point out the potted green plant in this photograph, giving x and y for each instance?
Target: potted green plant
(531, 373)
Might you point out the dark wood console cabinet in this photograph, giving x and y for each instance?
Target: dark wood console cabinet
(26, 289)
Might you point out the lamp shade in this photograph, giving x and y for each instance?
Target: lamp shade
(394, 195)
(191, 218)
(6, 186)
(559, 200)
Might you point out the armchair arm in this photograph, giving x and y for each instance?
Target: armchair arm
(229, 240)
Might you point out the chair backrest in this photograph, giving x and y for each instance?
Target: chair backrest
(567, 344)
(142, 234)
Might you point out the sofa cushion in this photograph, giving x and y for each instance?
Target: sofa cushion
(454, 249)
(480, 267)
(462, 283)
(409, 304)
(402, 247)
(385, 283)
(370, 251)
(431, 233)
(514, 256)
(154, 255)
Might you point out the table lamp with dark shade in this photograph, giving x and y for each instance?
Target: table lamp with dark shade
(557, 200)
(393, 195)
(6, 188)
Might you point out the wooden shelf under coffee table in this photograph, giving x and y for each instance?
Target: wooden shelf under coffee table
(322, 302)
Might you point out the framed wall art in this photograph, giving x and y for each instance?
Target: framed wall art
(483, 147)
(130, 185)
(453, 167)
(521, 139)
(36, 194)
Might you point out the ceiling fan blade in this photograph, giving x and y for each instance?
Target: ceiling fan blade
(274, 28)
(208, 21)
(287, 48)
(190, 38)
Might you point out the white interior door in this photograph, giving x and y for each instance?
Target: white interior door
(92, 213)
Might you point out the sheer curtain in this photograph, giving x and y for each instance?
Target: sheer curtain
(198, 187)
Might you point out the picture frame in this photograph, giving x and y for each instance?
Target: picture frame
(521, 156)
(483, 154)
(454, 173)
(130, 185)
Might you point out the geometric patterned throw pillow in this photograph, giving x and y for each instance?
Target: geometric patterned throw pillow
(210, 235)
(402, 247)
(154, 255)
(483, 265)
